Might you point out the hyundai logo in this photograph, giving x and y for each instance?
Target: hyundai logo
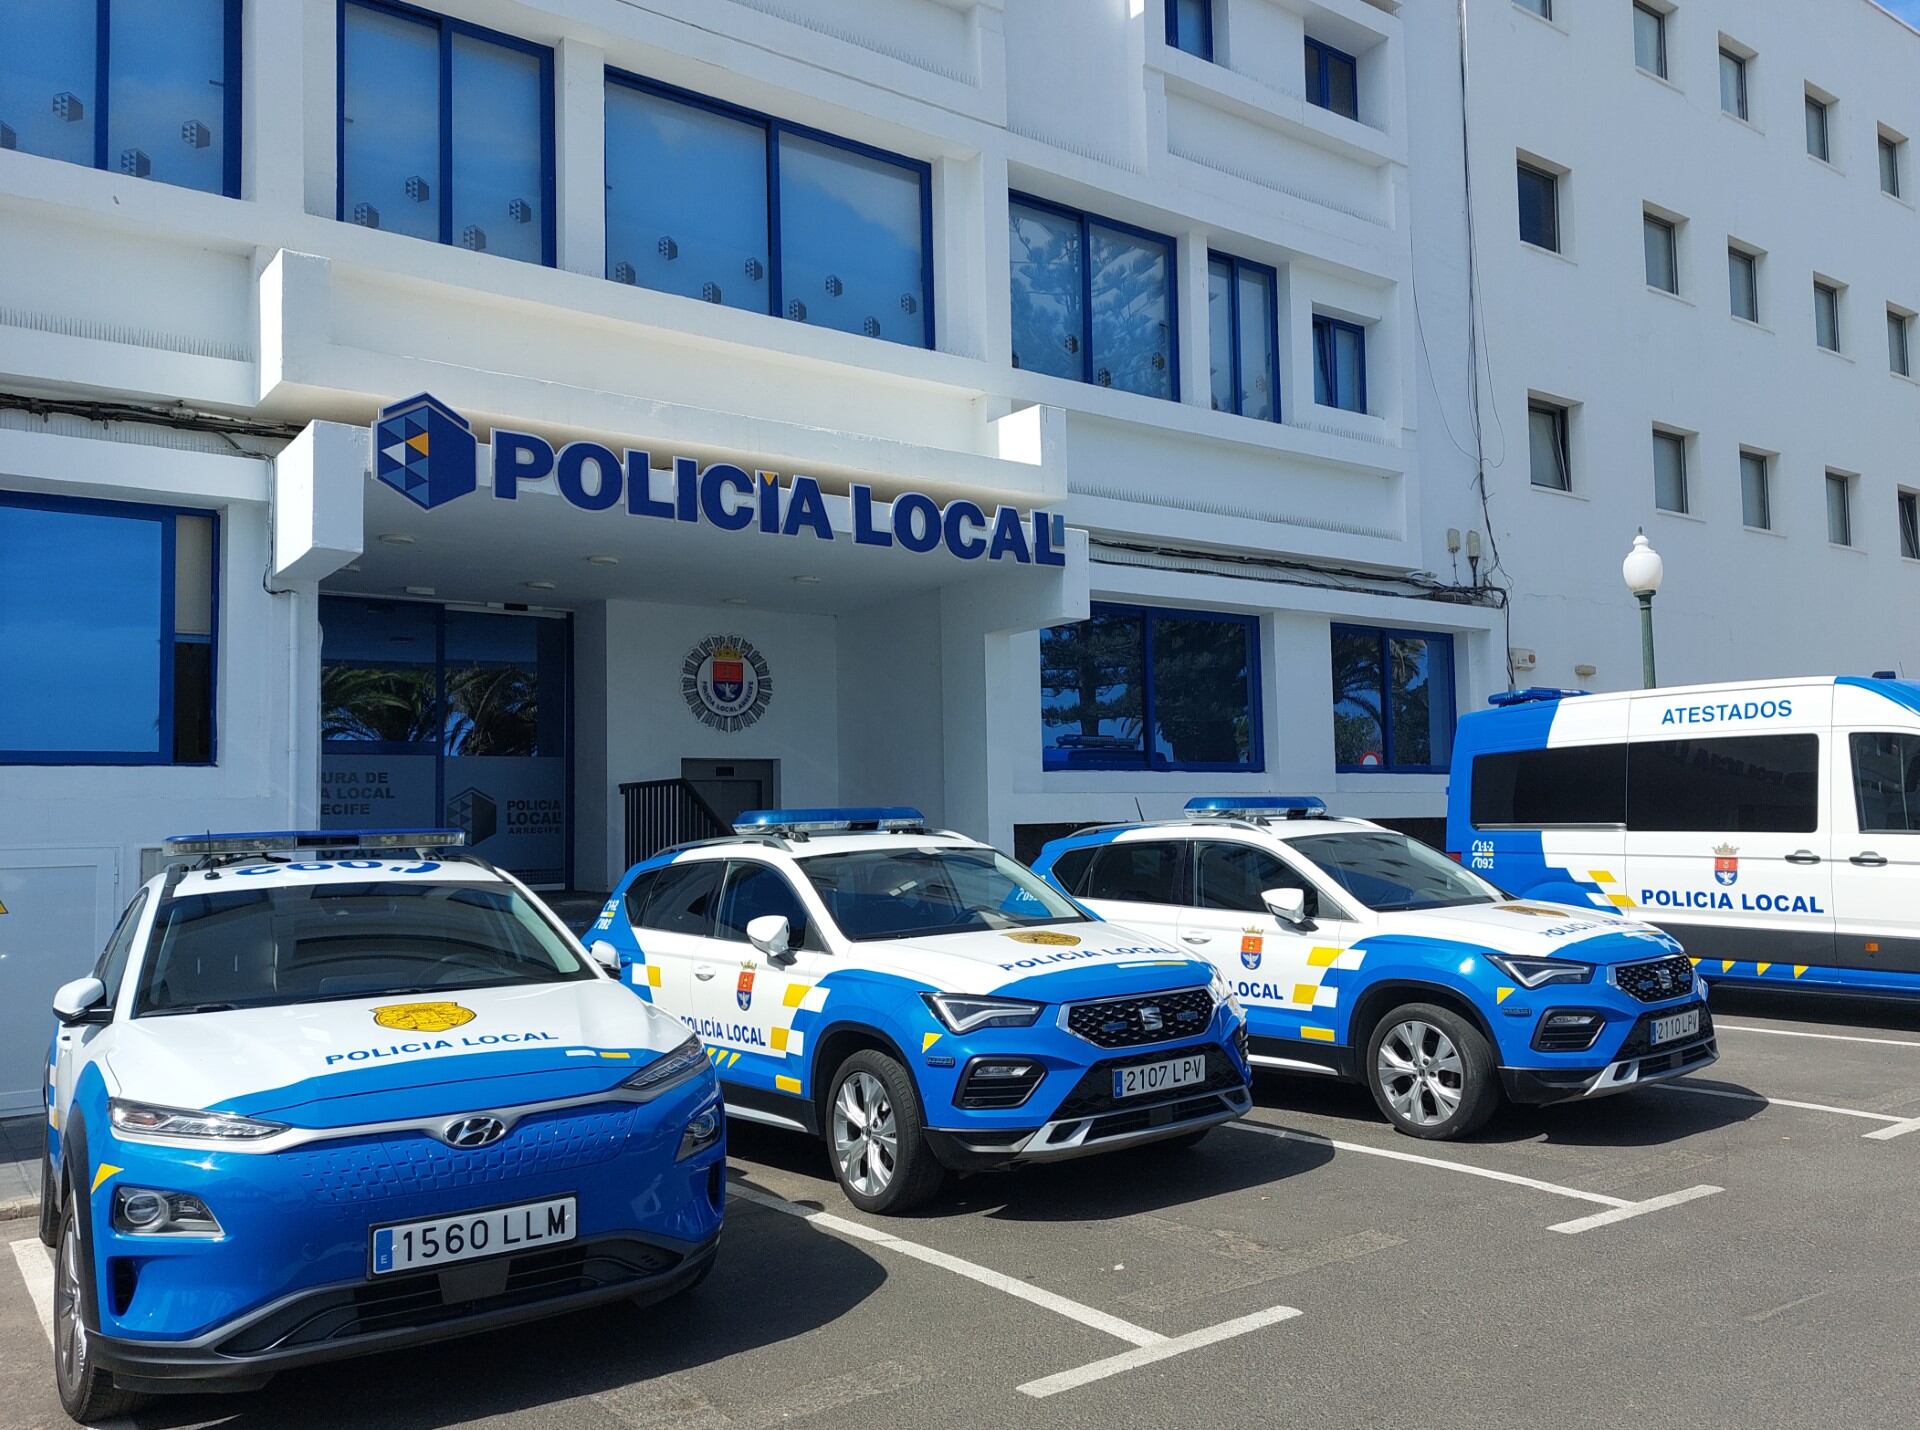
(1150, 1019)
(473, 1132)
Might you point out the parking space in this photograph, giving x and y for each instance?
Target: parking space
(1731, 1250)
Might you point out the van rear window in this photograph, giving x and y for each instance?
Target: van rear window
(1749, 784)
(1531, 789)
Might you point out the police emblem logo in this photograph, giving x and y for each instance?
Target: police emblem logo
(743, 990)
(1534, 911)
(422, 1017)
(1726, 864)
(726, 683)
(1251, 944)
(1050, 940)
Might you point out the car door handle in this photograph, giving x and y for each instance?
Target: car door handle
(703, 972)
(1803, 856)
(1867, 859)
(1196, 938)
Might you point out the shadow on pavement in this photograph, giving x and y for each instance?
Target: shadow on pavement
(1841, 1011)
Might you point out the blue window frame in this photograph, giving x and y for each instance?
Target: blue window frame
(152, 91)
(1190, 27)
(115, 667)
(1339, 364)
(1136, 687)
(1393, 706)
(445, 131)
(1243, 358)
(1333, 79)
(712, 201)
(1093, 299)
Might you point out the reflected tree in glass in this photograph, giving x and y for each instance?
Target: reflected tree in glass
(1359, 728)
(1046, 272)
(1091, 682)
(1201, 711)
(387, 704)
(492, 710)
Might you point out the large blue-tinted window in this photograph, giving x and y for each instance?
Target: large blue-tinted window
(1339, 364)
(1190, 26)
(1092, 299)
(1133, 688)
(1393, 705)
(446, 132)
(713, 202)
(171, 107)
(1243, 343)
(106, 633)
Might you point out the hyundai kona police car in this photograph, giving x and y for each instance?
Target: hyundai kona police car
(1362, 954)
(326, 1095)
(921, 1000)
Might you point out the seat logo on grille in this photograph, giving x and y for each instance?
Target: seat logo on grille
(1150, 1018)
(473, 1132)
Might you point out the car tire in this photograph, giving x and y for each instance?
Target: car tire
(87, 1393)
(875, 1136)
(1431, 1072)
(49, 1203)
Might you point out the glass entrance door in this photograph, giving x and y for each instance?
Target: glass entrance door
(434, 716)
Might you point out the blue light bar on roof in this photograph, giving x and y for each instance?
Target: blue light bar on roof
(261, 841)
(857, 817)
(1531, 694)
(1285, 806)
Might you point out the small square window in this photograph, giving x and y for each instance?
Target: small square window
(1899, 331)
(1839, 509)
(1733, 84)
(1756, 493)
(1650, 39)
(1910, 525)
(1670, 472)
(1817, 138)
(1190, 27)
(1826, 316)
(1339, 364)
(1547, 445)
(1743, 284)
(1662, 252)
(1890, 165)
(1333, 79)
(1539, 207)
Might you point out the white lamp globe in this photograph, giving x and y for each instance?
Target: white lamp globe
(1643, 569)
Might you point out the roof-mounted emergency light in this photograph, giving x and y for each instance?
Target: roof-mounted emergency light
(860, 818)
(1266, 806)
(1531, 694)
(282, 840)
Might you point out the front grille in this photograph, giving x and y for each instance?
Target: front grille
(1093, 1094)
(1657, 980)
(426, 1298)
(1152, 1018)
(357, 1171)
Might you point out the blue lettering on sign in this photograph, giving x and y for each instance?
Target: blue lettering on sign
(1724, 713)
(1717, 899)
(593, 477)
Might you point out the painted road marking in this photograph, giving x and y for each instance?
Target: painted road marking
(1149, 1346)
(1896, 1126)
(1651, 1204)
(36, 1269)
(1618, 1208)
(1828, 1037)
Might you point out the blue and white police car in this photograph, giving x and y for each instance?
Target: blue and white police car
(922, 1000)
(327, 1094)
(1362, 954)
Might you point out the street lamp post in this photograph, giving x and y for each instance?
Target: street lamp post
(1643, 570)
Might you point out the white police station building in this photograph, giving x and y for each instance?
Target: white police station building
(571, 420)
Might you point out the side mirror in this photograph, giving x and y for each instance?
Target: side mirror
(1287, 905)
(606, 955)
(772, 935)
(82, 1001)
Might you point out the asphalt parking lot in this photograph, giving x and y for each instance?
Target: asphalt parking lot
(1740, 1249)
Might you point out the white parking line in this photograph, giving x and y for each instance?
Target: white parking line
(1618, 1208)
(36, 1269)
(1149, 1346)
(1826, 1037)
(1896, 1126)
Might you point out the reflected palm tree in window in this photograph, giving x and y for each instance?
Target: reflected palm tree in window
(385, 704)
(492, 710)
(1090, 678)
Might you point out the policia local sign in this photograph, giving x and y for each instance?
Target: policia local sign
(427, 452)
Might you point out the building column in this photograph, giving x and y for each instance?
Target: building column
(580, 125)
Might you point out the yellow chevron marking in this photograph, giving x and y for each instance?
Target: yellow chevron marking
(732, 1058)
(1694, 961)
(1303, 994)
(927, 1040)
(1726, 964)
(3, 908)
(1323, 957)
(1761, 968)
(796, 993)
(107, 1169)
(1798, 969)
(606, 1054)
(1601, 876)
(1620, 901)
(778, 1038)
(653, 975)
(1318, 1035)
(1501, 995)
(713, 1054)
(787, 1084)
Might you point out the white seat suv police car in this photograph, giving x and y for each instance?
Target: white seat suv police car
(1362, 954)
(328, 1094)
(921, 999)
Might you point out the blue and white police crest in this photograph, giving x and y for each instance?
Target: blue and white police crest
(1251, 943)
(726, 683)
(1726, 864)
(743, 990)
(425, 450)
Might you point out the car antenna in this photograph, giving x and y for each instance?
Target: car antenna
(1138, 810)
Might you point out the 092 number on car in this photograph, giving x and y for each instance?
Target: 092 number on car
(409, 1245)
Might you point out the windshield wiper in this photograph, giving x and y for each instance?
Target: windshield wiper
(193, 1008)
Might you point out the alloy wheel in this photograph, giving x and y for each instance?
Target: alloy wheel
(1421, 1073)
(866, 1142)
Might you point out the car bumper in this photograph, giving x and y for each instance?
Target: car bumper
(360, 1317)
(1635, 1063)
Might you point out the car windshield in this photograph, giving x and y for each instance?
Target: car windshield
(907, 893)
(1391, 873)
(304, 943)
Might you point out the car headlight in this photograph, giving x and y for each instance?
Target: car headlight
(1222, 993)
(137, 1211)
(150, 1121)
(668, 1070)
(703, 1130)
(963, 1012)
(1539, 972)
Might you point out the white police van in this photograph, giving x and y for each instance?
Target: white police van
(1772, 826)
(921, 1000)
(328, 1094)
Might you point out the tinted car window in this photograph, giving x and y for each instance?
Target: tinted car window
(684, 898)
(1070, 870)
(1139, 871)
(901, 893)
(1886, 782)
(112, 966)
(1740, 784)
(1391, 873)
(754, 891)
(1233, 876)
(1533, 789)
(637, 894)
